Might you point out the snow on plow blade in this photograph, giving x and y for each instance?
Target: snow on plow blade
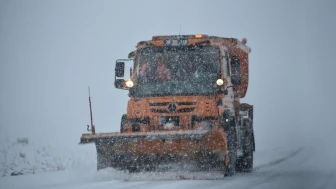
(147, 151)
(123, 137)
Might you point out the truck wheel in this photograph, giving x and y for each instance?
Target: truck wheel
(232, 146)
(245, 163)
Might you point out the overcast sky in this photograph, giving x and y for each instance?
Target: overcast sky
(51, 51)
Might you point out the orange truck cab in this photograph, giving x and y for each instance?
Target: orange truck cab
(185, 93)
(203, 78)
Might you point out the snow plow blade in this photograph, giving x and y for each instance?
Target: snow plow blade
(152, 151)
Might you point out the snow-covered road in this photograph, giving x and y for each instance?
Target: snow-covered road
(284, 167)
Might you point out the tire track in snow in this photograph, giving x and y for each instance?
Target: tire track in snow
(250, 180)
(278, 161)
(327, 184)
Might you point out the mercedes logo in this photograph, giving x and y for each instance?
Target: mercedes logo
(172, 107)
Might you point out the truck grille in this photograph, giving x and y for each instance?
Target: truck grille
(170, 107)
(186, 103)
(159, 104)
(182, 110)
(185, 110)
(159, 110)
(167, 103)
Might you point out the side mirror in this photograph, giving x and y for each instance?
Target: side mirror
(131, 54)
(235, 70)
(236, 79)
(119, 83)
(120, 69)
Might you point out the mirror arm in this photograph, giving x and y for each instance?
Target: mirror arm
(226, 90)
(229, 87)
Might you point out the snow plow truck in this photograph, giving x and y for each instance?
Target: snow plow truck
(184, 107)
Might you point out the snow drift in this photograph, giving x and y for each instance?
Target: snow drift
(23, 157)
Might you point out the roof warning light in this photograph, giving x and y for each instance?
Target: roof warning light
(198, 36)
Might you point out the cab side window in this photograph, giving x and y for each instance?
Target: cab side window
(225, 63)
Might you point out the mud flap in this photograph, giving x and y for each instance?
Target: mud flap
(230, 128)
(245, 162)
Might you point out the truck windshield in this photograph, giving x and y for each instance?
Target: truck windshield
(176, 71)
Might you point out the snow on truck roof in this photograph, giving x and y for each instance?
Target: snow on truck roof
(181, 40)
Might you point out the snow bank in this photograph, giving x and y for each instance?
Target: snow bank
(22, 157)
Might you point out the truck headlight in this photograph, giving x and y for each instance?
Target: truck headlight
(129, 84)
(219, 82)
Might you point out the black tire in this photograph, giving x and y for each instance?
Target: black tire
(245, 162)
(232, 146)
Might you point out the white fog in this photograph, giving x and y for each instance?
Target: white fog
(51, 51)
